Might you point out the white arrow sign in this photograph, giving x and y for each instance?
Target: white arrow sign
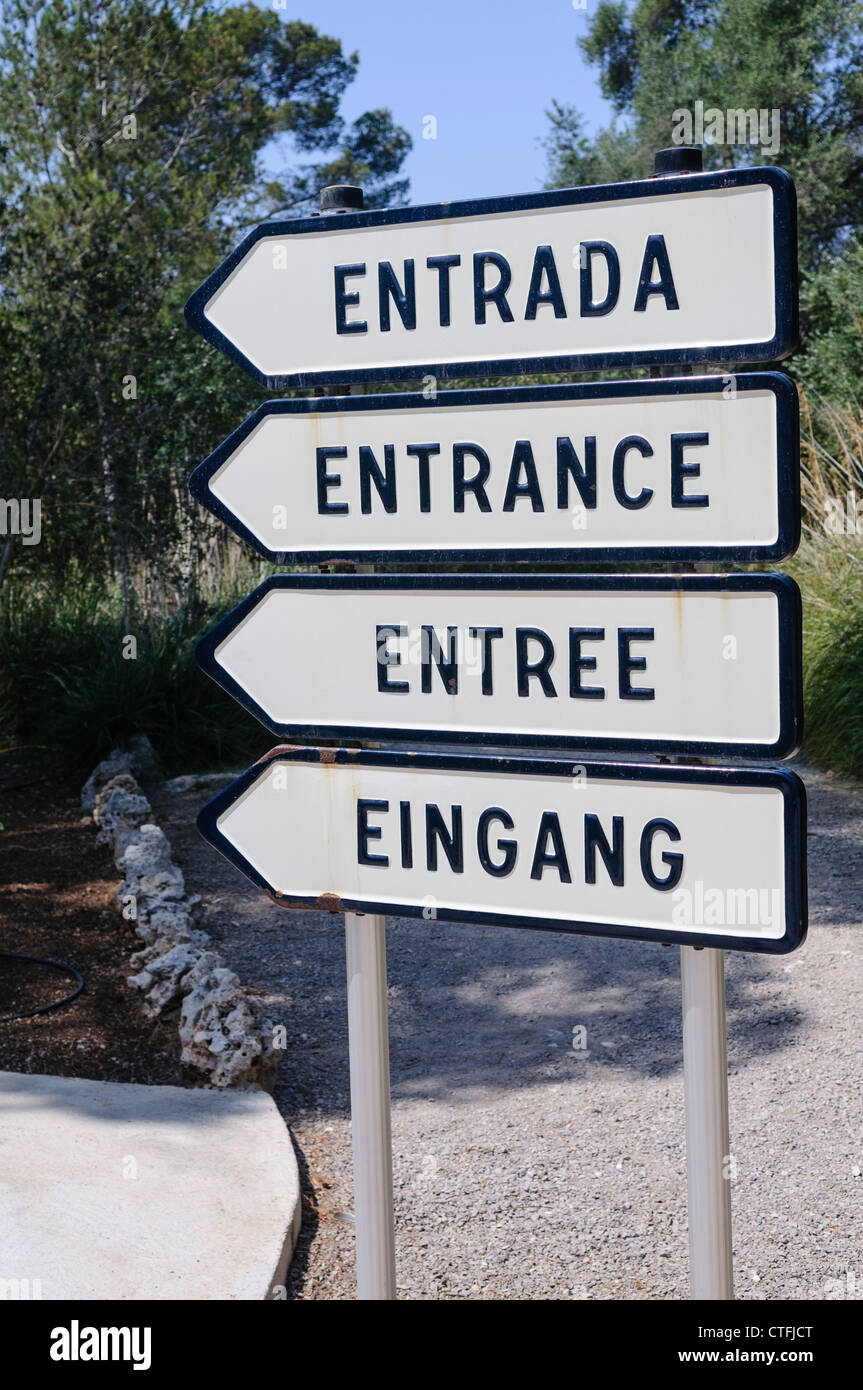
(689, 664)
(688, 468)
(708, 856)
(686, 268)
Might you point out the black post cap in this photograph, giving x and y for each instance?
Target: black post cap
(341, 197)
(679, 159)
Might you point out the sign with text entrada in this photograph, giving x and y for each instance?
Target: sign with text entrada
(696, 467)
(710, 856)
(694, 268)
(684, 269)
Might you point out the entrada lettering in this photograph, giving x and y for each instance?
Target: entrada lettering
(486, 282)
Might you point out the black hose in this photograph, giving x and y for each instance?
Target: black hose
(53, 965)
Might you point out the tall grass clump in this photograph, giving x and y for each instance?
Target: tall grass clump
(78, 678)
(829, 569)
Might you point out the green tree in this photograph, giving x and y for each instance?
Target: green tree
(801, 58)
(833, 362)
(137, 139)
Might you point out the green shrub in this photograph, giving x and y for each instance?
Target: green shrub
(830, 574)
(70, 680)
(829, 570)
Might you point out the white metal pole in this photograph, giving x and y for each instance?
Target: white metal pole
(370, 1105)
(368, 1039)
(705, 1082)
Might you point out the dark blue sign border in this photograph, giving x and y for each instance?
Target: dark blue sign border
(787, 449)
(790, 657)
(794, 839)
(781, 345)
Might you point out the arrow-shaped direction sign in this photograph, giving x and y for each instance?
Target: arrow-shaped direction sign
(689, 468)
(704, 856)
(690, 268)
(687, 664)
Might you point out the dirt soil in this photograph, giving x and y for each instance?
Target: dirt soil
(57, 900)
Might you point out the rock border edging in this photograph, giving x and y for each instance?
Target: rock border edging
(223, 1033)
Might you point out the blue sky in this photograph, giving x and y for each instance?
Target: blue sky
(486, 71)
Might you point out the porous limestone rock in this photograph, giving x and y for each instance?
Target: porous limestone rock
(120, 809)
(221, 1028)
(112, 766)
(150, 873)
(161, 980)
(223, 1034)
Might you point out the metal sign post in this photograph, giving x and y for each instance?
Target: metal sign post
(368, 1042)
(705, 1083)
(705, 1049)
(682, 469)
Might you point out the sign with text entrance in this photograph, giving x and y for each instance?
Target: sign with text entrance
(689, 468)
(704, 856)
(669, 663)
(695, 268)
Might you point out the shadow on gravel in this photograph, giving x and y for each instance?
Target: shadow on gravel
(303, 1249)
(488, 1008)
(509, 1014)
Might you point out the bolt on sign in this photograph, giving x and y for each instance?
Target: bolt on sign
(691, 663)
(695, 268)
(697, 467)
(709, 856)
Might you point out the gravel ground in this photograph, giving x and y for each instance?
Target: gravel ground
(526, 1169)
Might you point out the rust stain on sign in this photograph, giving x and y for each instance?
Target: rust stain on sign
(280, 748)
(326, 902)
